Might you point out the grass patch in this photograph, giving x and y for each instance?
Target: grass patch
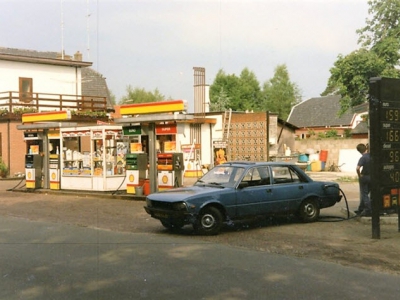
(348, 179)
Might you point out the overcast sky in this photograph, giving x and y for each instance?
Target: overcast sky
(156, 43)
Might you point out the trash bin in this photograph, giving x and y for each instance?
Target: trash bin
(139, 191)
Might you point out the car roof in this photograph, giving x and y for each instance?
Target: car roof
(254, 163)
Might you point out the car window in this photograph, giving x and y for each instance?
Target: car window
(238, 174)
(265, 175)
(224, 175)
(284, 174)
(257, 176)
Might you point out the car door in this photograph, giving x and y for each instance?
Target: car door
(252, 197)
(287, 189)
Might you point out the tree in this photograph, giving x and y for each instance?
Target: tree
(350, 77)
(379, 55)
(221, 103)
(112, 98)
(140, 95)
(249, 91)
(227, 84)
(280, 94)
(382, 32)
(242, 92)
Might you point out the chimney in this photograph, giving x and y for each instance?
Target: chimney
(78, 56)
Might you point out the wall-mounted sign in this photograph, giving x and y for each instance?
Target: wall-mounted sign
(30, 135)
(166, 129)
(132, 130)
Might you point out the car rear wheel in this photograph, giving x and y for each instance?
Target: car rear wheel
(309, 210)
(209, 221)
(172, 225)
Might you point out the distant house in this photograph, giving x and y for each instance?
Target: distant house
(320, 115)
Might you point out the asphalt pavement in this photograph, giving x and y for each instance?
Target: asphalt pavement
(43, 260)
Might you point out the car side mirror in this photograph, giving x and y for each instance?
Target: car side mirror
(243, 184)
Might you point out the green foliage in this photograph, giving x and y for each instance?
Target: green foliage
(378, 57)
(221, 103)
(225, 87)
(3, 168)
(382, 30)
(350, 77)
(140, 95)
(331, 133)
(249, 91)
(311, 132)
(347, 133)
(24, 110)
(3, 112)
(244, 92)
(90, 114)
(112, 99)
(280, 94)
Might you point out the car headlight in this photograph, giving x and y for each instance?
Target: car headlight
(180, 206)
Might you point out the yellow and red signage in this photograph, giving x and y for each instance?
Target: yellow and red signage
(166, 129)
(154, 107)
(46, 116)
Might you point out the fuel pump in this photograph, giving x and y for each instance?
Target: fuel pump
(136, 170)
(54, 171)
(33, 171)
(170, 170)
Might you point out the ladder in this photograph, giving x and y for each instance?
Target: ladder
(226, 125)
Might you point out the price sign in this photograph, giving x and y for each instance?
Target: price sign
(384, 136)
(385, 139)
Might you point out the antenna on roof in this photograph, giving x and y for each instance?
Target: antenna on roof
(62, 31)
(87, 29)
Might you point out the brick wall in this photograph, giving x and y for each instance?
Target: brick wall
(13, 147)
(248, 137)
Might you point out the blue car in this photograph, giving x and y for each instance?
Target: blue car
(242, 190)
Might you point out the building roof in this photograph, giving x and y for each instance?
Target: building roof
(320, 112)
(361, 128)
(40, 57)
(94, 84)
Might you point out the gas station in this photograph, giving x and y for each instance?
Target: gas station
(139, 153)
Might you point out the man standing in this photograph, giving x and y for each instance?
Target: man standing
(364, 180)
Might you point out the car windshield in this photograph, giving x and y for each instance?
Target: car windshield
(226, 176)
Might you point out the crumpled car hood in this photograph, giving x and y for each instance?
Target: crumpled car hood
(184, 193)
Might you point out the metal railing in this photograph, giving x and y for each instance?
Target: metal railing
(39, 102)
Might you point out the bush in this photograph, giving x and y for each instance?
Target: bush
(3, 168)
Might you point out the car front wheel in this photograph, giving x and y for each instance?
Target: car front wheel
(209, 221)
(309, 210)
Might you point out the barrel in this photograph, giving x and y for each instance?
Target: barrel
(323, 155)
(303, 158)
(316, 166)
(146, 187)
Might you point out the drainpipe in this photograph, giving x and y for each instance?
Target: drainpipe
(8, 147)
